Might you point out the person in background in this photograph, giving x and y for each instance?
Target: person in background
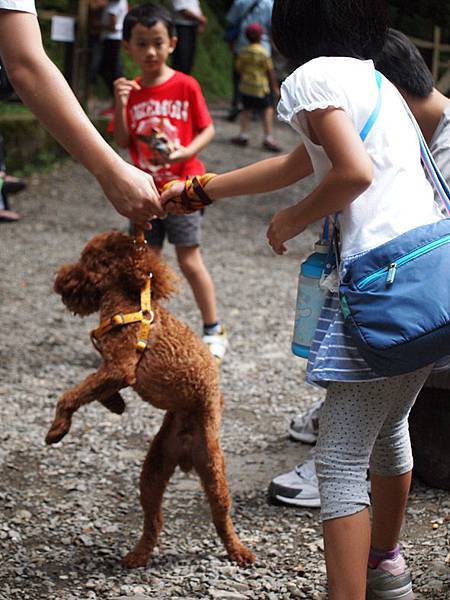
(258, 86)
(401, 62)
(41, 86)
(8, 185)
(242, 13)
(106, 61)
(162, 118)
(189, 20)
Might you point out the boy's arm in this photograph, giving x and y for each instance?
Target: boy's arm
(200, 141)
(122, 90)
(44, 90)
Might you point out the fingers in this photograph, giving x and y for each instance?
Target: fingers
(277, 244)
(123, 87)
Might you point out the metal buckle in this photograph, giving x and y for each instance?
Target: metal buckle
(141, 345)
(118, 319)
(148, 316)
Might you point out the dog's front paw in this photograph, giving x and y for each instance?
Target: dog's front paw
(57, 431)
(135, 558)
(242, 555)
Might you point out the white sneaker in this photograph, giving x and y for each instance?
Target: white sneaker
(217, 343)
(305, 427)
(299, 487)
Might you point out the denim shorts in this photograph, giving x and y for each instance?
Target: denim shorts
(180, 230)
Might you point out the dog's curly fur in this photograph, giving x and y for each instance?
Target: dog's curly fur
(176, 373)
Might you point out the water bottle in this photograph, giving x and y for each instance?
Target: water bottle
(310, 299)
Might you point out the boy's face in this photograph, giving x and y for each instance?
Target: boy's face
(150, 47)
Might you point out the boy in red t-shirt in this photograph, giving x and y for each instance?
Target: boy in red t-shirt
(162, 118)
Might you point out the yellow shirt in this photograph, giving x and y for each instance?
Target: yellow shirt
(253, 64)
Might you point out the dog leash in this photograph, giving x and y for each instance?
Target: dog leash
(144, 316)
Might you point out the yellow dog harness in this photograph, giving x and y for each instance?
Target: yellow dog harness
(145, 316)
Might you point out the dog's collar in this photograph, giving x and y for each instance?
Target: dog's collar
(145, 317)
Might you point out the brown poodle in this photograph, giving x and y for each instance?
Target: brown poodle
(176, 373)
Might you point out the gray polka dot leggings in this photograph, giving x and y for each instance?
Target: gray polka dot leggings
(363, 425)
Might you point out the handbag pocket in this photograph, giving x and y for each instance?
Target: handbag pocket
(396, 300)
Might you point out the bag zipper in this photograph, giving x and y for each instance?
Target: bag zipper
(391, 269)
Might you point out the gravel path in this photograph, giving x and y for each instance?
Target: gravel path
(69, 512)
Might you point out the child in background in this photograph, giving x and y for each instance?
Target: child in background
(380, 191)
(257, 87)
(162, 118)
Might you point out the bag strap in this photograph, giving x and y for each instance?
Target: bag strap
(437, 179)
(376, 111)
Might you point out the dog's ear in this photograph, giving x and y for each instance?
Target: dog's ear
(146, 261)
(77, 289)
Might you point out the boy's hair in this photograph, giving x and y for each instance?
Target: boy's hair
(401, 62)
(254, 32)
(147, 15)
(306, 29)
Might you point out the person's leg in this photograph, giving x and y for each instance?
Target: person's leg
(342, 457)
(185, 233)
(353, 417)
(347, 543)
(391, 467)
(111, 63)
(184, 54)
(193, 268)
(244, 123)
(268, 121)
(235, 100)
(269, 143)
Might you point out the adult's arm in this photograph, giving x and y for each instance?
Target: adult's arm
(44, 90)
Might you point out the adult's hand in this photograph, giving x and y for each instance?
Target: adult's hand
(132, 192)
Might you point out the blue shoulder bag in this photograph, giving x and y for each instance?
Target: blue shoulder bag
(396, 297)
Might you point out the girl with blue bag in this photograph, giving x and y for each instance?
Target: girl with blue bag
(376, 185)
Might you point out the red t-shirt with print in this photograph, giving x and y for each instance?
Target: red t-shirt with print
(177, 110)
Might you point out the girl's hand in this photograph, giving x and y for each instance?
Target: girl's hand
(122, 89)
(171, 199)
(285, 225)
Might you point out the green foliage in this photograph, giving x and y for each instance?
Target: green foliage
(213, 60)
(418, 18)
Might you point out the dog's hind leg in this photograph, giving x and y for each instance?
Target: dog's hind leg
(209, 463)
(100, 385)
(159, 465)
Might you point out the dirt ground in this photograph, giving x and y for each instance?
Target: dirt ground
(69, 512)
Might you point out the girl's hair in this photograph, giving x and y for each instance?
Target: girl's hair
(306, 29)
(401, 62)
(147, 15)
